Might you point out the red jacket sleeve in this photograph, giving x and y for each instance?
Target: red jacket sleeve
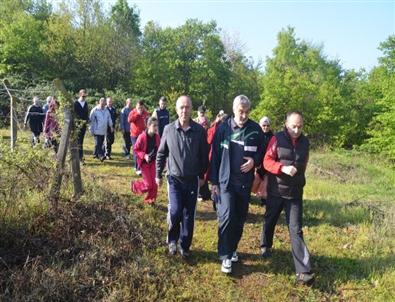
(140, 146)
(270, 161)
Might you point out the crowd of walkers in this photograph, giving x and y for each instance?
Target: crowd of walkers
(234, 155)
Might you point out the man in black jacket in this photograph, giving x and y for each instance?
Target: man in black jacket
(237, 148)
(286, 160)
(81, 112)
(110, 136)
(184, 146)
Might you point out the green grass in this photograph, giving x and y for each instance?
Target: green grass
(352, 246)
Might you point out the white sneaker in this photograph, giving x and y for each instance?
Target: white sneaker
(172, 248)
(235, 257)
(226, 266)
(138, 172)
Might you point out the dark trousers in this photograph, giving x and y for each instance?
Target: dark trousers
(134, 139)
(293, 214)
(110, 137)
(128, 143)
(99, 151)
(80, 140)
(181, 210)
(232, 210)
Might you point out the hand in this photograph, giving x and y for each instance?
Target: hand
(214, 190)
(158, 181)
(248, 165)
(146, 157)
(201, 182)
(289, 170)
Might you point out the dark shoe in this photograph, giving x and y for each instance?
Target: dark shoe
(305, 278)
(266, 252)
(184, 253)
(102, 158)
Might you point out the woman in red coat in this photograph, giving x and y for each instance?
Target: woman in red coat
(145, 149)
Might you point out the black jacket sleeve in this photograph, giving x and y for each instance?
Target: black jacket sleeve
(163, 153)
(203, 154)
(215, 157)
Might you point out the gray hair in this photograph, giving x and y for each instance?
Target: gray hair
(184, 96)
(263, 120)
(241, 100)
(49, 99)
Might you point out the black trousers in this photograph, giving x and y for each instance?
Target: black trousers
(294, 216)
(110, 137)
(99, 152)
(128, 142)
(80, 140)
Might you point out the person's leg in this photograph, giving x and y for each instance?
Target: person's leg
(274, 206)
(189, 198)
(95, 150)
(80, 140)
(141, 186)
(128, 143)
(225, 209)
(100, 140)
(300, 253)
(109, 142)
(242, 199)
(134, 139)
(152, 186)
(174, 214)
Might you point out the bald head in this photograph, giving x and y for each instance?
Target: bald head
(294, 124)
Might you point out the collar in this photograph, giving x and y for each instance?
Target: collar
(178, 126)
(233, 124)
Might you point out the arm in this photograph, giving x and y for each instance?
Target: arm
(27, 116)
(270, 162)
(132, 116)
(260, 150)
(122, 120)
(139, 147)
(215, 158)
(203, 152)
(163, 153)
(109, 120)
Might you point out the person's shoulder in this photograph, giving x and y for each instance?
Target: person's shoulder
(254, 125)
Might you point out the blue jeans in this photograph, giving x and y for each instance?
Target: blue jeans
(181, 210)
(293, 215)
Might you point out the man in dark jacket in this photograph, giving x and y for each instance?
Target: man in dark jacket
(162, 115)
(81, 112)
(110, 136)
(184, 146)
(35, 117)
(285, 160)
(237, 148)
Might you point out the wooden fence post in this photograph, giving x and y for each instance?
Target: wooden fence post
(13, 121)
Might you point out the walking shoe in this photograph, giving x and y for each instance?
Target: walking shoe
(184, 253)
(172, 248)
(138, 172)
(226, 266)
(266, 252)
(108, 157)
(305, 278)
(235, 257)
(127, 157)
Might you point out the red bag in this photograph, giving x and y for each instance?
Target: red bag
(259, 186)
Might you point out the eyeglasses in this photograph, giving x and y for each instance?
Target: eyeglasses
(265, 125)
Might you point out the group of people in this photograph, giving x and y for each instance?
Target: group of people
(229, 154)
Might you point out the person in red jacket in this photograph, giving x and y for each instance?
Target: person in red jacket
(137, 119)
(145, 148)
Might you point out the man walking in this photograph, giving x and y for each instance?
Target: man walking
(110, 132)
(162, 115)
(100, 122)
(81, 111)
(184, 144)
(35, 117)
(285, 160)
(125, 127)
(237, 148)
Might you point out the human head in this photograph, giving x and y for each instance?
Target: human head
(152, 125)
(140, 105)
(241, 109)
(265, 124)
(102, 102)
(109, 101)
(162, 102)
(128, 102)
(201, 110)
(221, 116)
(184, 108)
(49, 99)
(82, 94)
(36, 100)
(53, 105)
(294, 123)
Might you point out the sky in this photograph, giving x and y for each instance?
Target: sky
(350, 31)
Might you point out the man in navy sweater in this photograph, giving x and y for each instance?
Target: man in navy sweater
(81, 112)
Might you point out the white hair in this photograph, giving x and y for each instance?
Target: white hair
(241, 100)
(263, 120)
(49, 99)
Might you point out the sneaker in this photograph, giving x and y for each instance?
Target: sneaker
(172, 248)
(226, 266)
(138, 172)
(235, 257)
(108, 157)
(199, 199)
(127, 157)
(305, 278)
(266, 252)
(184, 253)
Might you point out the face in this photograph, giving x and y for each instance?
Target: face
(241, 113)
(102, 102)
(184, 108)
(109, 102)
(82, 94)
(140, 108)
(200, 113)
(153, 128)
(294, 125)
(162, 104)
(265, 127)
(127, 103)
